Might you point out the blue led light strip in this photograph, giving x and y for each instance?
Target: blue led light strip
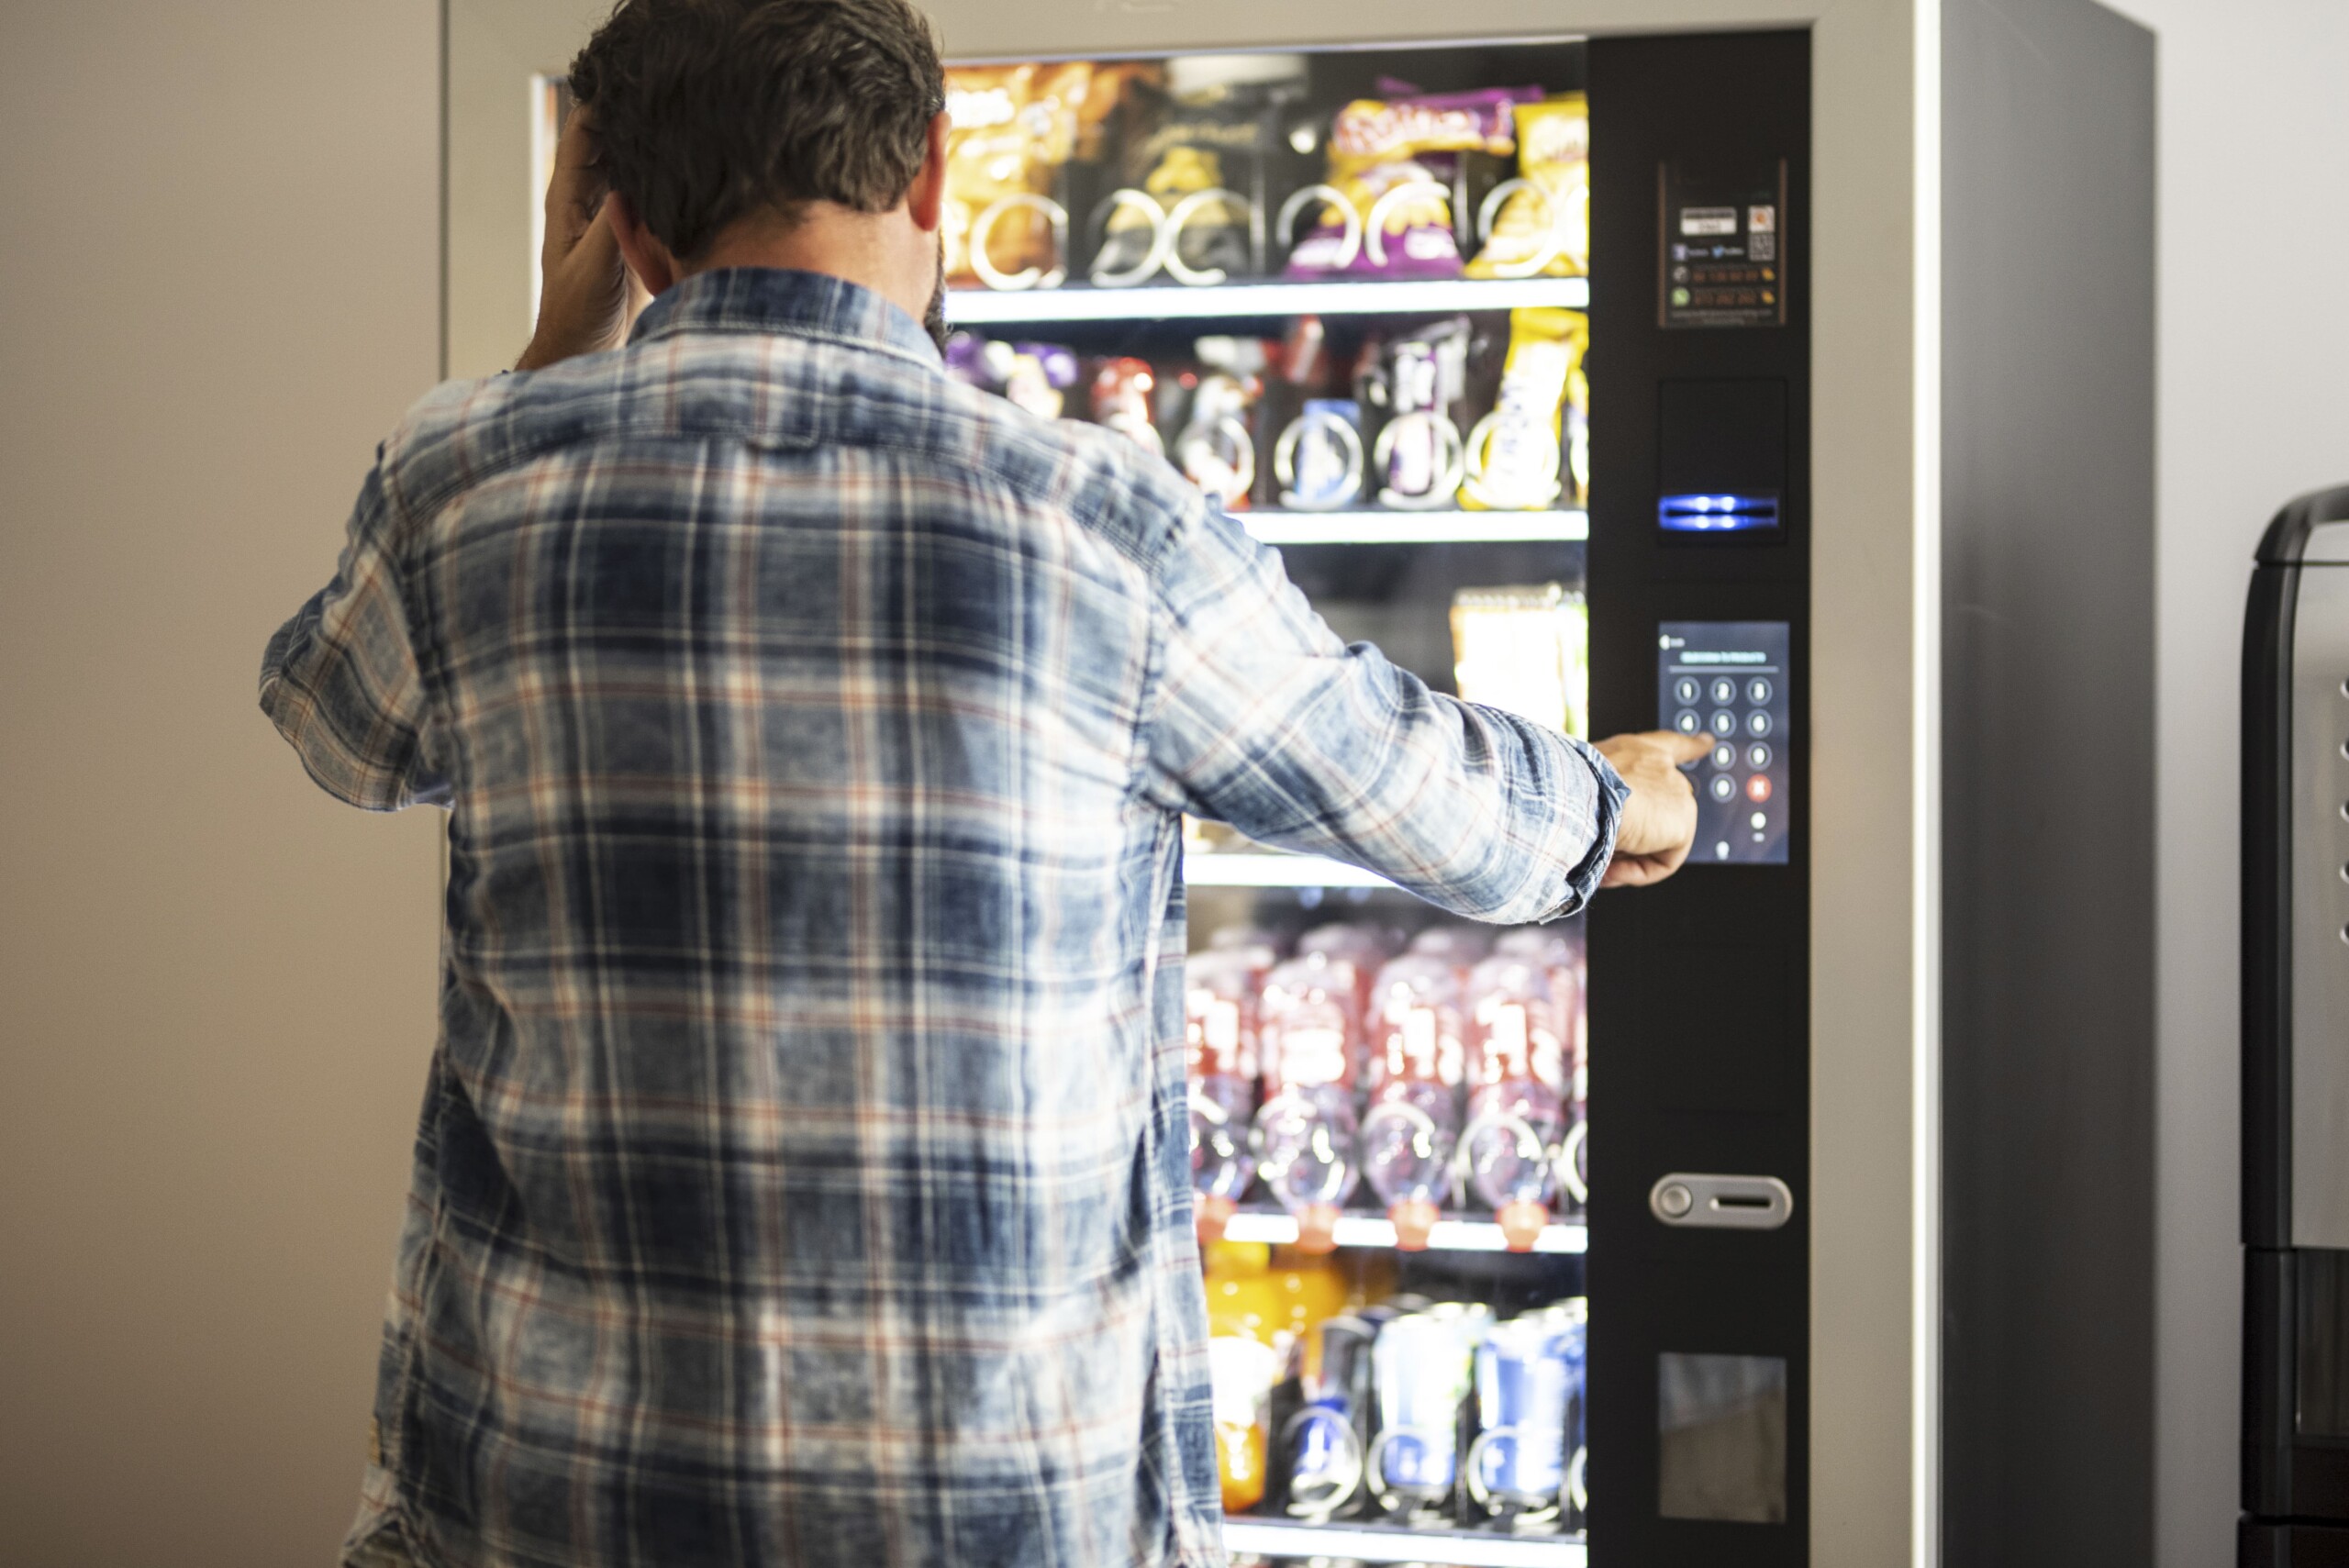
(1716, 513)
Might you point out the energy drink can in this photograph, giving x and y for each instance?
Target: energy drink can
(1529, 1392)
(1325, 1441)
(1420, 1368)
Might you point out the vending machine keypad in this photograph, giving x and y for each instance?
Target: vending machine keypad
(1729, 680)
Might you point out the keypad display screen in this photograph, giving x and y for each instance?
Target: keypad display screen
(1730, 680)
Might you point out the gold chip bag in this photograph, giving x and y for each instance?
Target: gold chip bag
(1526, 651)
(1009, 129)
(1552, 213)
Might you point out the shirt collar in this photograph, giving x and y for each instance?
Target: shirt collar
(776, 299)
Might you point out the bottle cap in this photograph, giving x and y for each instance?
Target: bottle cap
(1317, 1228)
(1414, 1219)
(1211, 1213)
(1522, 1223)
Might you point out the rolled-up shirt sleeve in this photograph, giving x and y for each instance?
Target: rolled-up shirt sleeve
(1267, 721)
(340, 681)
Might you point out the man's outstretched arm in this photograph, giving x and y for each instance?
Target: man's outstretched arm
(1268, 722)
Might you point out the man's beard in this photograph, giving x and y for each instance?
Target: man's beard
(933, 319)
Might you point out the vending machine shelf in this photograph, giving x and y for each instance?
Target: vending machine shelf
(1279, 1229)
(1387, 1544)
(1420, 296)
(1271, 868)
(1561, 527)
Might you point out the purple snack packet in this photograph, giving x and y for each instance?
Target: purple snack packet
(1395, 159)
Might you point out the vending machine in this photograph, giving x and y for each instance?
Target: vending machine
(2296, 1041)
(1588, 361)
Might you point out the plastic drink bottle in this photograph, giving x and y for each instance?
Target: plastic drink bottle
(1361, 948)
(1304, 1130)
(1412, 1125)
(1517, 1116)
(1562, 952)
(1219, 1044)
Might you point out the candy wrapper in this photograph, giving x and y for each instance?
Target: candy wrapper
(1033, 375)
(1411, 388)
(1011, 127)
(1542, 227)
(1122, 390)
(1217, 448)
(1319, 459)
(1518, 454)
(1386, 208)
(1525, 651)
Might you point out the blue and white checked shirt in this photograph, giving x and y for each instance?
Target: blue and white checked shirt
(803, 1177)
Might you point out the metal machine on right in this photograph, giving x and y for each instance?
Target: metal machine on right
(2296, 1041)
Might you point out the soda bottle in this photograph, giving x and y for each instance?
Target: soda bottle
(1304, 1130)
(1516, 1109)
(1361, 948)
(1462, 947)
(1219, 1044)
(1561, 952)
(1412, 1126)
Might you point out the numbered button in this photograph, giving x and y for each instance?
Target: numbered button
(1685, 691)
(1724, 756)
(1724, 689)
(1757, 756)
(1724, 722)
(1687, 721)
(1724, 787)
(1757, 724)
(1758, 691)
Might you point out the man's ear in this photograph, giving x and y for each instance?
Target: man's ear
(925, 198)
(646, 256)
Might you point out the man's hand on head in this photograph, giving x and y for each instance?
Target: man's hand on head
(587, 297)
(1659, 820)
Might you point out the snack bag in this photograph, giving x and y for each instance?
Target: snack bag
(1518, 456)
(1542, 228)
(1215, 448)
(1526, 651)
(1193, 178)
(1393, 161)
(1412, 387)
(1011, 127)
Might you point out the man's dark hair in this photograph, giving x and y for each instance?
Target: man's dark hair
(711, 110)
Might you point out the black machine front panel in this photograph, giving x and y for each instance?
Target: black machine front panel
(1700, 1005)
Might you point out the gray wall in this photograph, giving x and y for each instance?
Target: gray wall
(2048, 785)
(221, 287)
(2255, 408)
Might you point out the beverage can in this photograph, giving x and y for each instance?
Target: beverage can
(1422, 1368)
(1325, 1439)
(1529, 1375)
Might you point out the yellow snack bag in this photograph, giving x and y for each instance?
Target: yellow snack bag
(1528, 452)
(1525, 650)
(1543, 226)
(1010, 128)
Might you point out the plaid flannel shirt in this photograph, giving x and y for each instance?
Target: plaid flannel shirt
(803, 1174)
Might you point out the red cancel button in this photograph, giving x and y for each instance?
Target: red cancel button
(1757, 788)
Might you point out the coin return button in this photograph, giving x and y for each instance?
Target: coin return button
(1721, 1202)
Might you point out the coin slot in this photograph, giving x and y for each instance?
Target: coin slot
(1742, 1200)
